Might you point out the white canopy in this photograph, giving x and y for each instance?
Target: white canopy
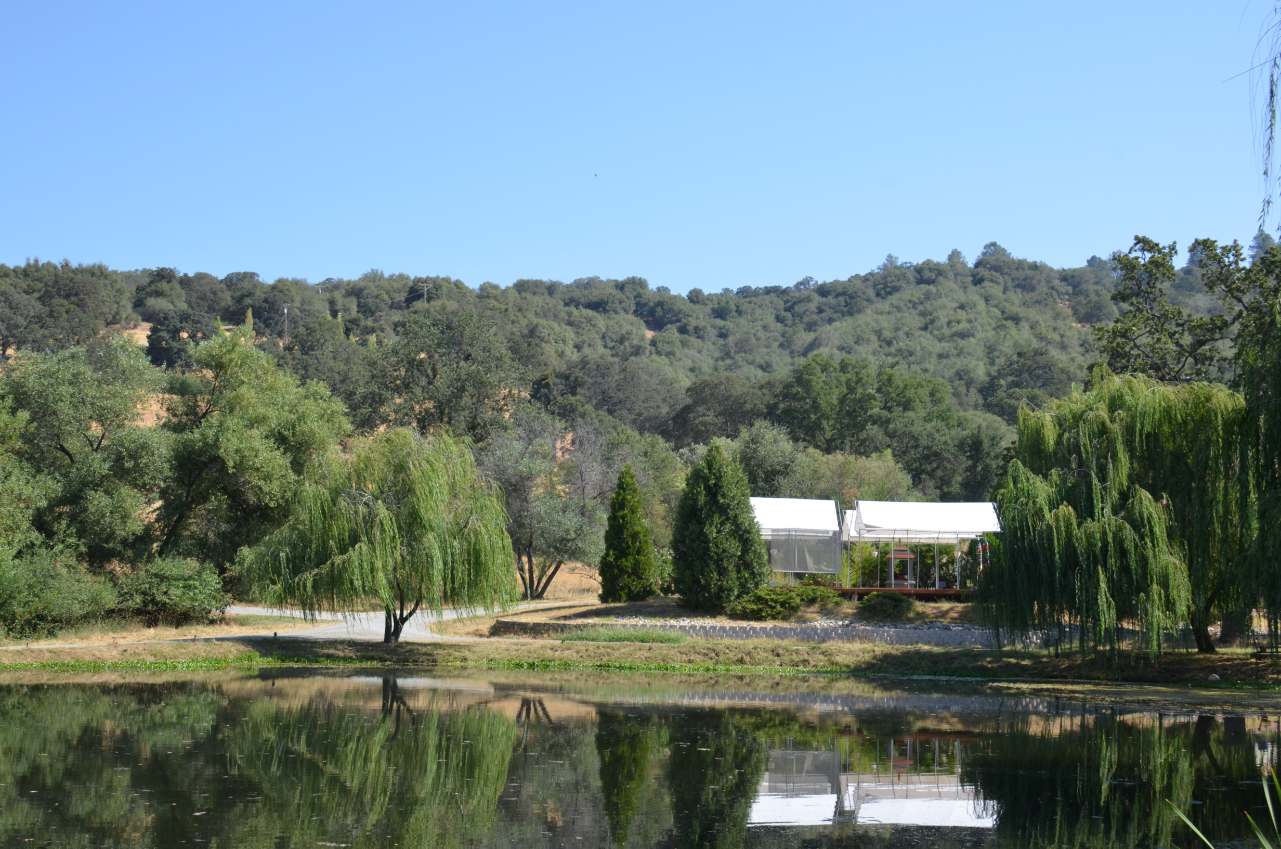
(796, 517)
(918, 521)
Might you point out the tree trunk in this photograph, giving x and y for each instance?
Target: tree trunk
(389, 619)
(1201, 633)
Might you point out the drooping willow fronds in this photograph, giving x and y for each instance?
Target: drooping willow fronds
(404, 521)
(1259, 364)
(1124, 505)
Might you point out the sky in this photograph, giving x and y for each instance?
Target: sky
(694, 144)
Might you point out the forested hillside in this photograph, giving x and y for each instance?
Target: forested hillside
(928, 361)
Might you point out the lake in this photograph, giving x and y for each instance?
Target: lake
(292, 759)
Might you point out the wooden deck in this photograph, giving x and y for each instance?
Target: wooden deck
(923, 593)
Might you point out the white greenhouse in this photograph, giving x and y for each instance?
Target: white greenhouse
(803, 535)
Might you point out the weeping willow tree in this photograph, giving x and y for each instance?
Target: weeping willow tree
(404, 522)
(1259, 371)
(1127, 504)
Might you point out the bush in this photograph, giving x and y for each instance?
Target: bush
(816, 594)
(39, 596)
(781, 602)
(173, 590)
(886, 607)
(766, 603)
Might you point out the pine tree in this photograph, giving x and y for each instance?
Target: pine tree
(717, 551)
(629, 568)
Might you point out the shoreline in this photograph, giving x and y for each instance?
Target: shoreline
(1239, 674)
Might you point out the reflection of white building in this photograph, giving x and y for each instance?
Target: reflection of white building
(806, 788)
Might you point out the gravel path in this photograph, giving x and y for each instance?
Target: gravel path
(367, 626)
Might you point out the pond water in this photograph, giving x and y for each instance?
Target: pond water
(385, 760)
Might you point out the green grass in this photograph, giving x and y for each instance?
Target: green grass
(623, 635)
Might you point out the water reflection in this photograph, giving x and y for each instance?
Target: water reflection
(400, 761)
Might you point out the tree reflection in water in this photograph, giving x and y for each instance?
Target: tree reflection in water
(313, 760)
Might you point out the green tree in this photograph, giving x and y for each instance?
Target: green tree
(405, 521)
(81, 409)
(629, 567)
(1125, 503)
(717, 551)
(553, 517)
(1153, 336)
(1259, 368)
(450, 368)
(768, 458)
(244, 435)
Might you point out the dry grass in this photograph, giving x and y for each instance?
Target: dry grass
(116, 632)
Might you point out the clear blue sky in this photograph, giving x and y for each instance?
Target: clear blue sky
(694, 144)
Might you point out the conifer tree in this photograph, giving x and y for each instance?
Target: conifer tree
(717, 551)
(629, 567)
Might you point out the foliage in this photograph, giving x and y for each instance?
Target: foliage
(714, 771)
(886, 607)
(43, 593)
(623, 635)
(245, 434)
(553, 516)
(781, 602)
(173, 591)
(79, 409)
(624, 746)
(1258, 362)
(717, 551)
(1124, 504)
(629, 567)
(1152, 335)
(450, 368)
(405, 522)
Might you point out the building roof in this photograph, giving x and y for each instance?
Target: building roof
(920, 521)
(796, 515)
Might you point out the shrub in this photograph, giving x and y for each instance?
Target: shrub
(39, 596)
(886, 607)
(781, 602)
(766, 603)
(173, 590)
(629, 567)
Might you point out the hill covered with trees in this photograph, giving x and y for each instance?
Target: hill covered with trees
(928, 360)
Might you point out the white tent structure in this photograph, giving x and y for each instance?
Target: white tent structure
(802, 534)
(886, 524)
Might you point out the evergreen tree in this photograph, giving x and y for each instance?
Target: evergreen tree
(717, 551)
(629, 568)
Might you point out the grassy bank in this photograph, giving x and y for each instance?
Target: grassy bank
(763, 657)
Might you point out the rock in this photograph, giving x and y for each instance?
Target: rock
(1214, 676)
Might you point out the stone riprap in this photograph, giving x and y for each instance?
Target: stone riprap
(826, 630)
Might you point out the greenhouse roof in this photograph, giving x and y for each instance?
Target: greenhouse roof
(920, 521)
(810, 516)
